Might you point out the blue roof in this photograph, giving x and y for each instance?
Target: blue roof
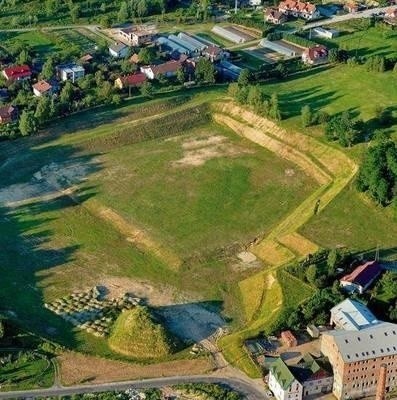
(182, 43)
(163, 41)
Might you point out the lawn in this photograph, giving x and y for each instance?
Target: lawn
(39, 41)
(352, 220)
(166, 191)
(335, 89)
(26, 373)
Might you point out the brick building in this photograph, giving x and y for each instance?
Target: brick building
(357, 352)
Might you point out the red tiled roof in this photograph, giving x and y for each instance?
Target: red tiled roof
(133, 79)
(315, 52)
(299, 6)
(42, 86)
(364, 274)
(288, 335)
(19, 71)
(169, 66)
(6, 111)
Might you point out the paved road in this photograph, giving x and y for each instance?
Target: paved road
(250, 391)
(340, 18)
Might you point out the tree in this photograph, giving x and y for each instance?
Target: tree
(147, 89)
(306, 116)
(116, 99)
(75, 13)
(50, 7)
(180, 76)
(27, 123)
(146, 55)
(378, 172)
(67, 92)
(384, 116)
(2, 329)
(255, 97)
(274, 110)
(48, 68)
(311, 274)
(342, 128)
(122, 15)
(205, 71)
(244, 78)
(23, 57)
(43, 110)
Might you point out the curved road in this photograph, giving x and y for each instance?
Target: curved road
(249, 391)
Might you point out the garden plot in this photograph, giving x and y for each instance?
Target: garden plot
(92, 312)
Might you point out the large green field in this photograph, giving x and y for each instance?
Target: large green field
(195, 192)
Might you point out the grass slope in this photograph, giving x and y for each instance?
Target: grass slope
(136, 334)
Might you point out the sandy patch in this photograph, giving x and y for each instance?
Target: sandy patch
(153, 296)
(247, 257)
(76, 368)
(200, 150)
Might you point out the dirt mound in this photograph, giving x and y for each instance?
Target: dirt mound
(137, 334)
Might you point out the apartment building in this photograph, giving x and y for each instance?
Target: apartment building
(358, 350)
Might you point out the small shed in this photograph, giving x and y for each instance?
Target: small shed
(313, 331)
(288, 339)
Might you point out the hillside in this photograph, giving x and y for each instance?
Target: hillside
(136, 334)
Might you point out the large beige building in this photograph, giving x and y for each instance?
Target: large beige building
(358, 352)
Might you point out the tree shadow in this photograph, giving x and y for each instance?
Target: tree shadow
(316, 98)
(29, 250)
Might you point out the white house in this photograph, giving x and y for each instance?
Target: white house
(167, 69)
(70, 72)
(118, 50)
(283, 383)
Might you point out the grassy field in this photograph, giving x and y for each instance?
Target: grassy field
(26, 373)
(39, 41)
(236, 191)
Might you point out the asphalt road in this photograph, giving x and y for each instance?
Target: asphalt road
(340, 18)
(249, 391)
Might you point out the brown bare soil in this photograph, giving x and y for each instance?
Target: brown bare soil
(77, 368)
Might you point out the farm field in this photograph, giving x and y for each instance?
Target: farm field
(85, 231)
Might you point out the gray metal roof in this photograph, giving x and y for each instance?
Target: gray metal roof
(373, 342)
(351, 315)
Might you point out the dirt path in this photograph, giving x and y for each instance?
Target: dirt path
(133, 233)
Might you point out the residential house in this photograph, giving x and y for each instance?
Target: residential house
(138, 35)
(305, 10)
(288, 338)
(352, 315)
(118, 50)
(8, 114)
(351, 7)
(167, 69)
(17, 73)
(42, 88)
(215, 53)
(132, 80)
(255, 3)
(283, 383)
(70, 72)
(362, 277)
(274, 16)
(315, 375)
(315, 55)
(134, 59)
(86, 59)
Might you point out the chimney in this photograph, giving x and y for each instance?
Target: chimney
(381, 388)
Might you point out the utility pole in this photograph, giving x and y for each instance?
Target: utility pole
(235, 6)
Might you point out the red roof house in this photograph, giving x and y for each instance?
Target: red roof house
(288, 338)
(130, 80)
(297, 8)
(8, 114)
(42, 88)
(362, 277)
(315, 55)
(274, 16)
(17, 73)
